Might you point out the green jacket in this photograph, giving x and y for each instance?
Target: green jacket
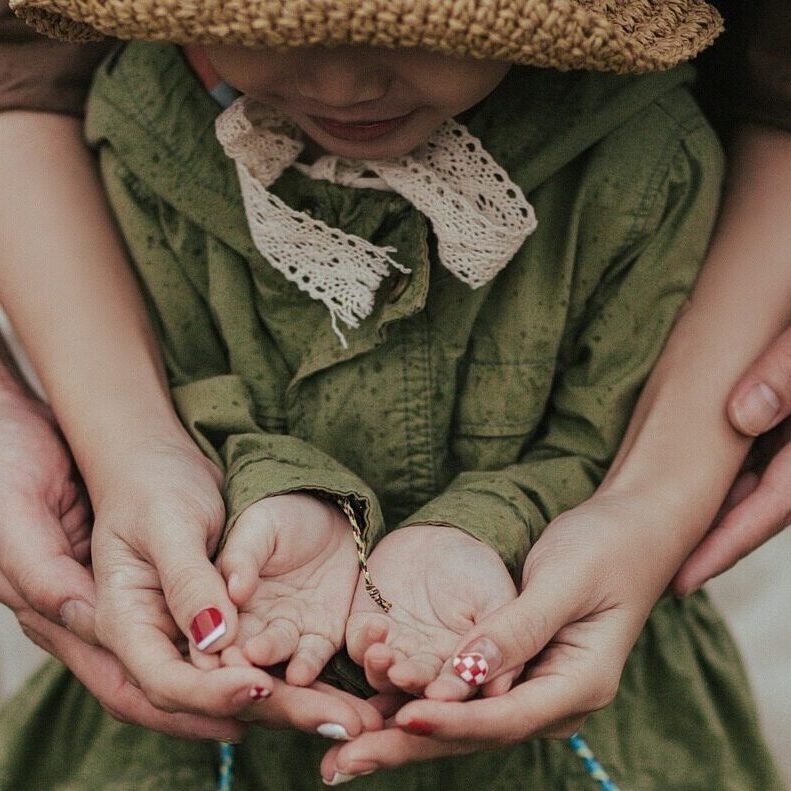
(491, 410)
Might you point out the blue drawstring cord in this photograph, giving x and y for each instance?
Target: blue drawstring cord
(225, 773)
(592, 766)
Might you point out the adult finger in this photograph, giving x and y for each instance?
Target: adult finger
(44, 573)
(501, 643)
(319, 709)
(106, 679)
(456, 728)
(763, 513)
(386, 749)
(537, 706)
(170, 682)
(762, 397)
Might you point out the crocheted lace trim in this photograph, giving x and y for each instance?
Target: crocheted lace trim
(480, 217)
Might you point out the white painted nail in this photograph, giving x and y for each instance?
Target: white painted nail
(333, 730)
(338, 779)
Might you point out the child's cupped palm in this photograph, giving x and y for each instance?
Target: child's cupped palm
(440, 582)
(291, 567)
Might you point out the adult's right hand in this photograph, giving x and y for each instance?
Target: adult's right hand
(759, 504)
(45, 530)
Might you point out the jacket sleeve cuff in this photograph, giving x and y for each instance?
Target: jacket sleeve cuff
(262, 466)
(491, 510)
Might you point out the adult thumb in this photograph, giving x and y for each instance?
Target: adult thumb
(493, 654)
(197, 596)
(762, 397)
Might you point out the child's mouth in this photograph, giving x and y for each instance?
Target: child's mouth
(360, 131)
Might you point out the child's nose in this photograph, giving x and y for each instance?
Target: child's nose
(340, 77)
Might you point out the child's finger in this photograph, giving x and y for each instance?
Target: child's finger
(275, 643)
(244, 556)
(416, 672)
(312, 654)
(377, 661)
(364, 629)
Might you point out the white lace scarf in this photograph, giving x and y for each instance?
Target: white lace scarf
(479, 216)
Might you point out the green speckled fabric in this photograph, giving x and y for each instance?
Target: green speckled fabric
(490, 410)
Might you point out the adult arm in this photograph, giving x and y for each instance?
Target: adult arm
(756, 227)
(45, 551)
(65, 284)
(758, 506)
(45, 521)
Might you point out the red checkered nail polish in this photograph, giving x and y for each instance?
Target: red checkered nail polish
(472, 668)
(418, 728)
(207, 627)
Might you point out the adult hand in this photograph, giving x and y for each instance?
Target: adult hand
(759, 503)
(45, 525)
(104, 676)
(44, 517)
(152, 541)
(157, 522)
(584, 601)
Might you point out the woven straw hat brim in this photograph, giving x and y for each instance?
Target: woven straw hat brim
(605, 35)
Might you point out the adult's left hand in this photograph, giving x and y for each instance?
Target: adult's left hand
(583, 604)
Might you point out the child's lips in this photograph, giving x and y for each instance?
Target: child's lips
(360, 131)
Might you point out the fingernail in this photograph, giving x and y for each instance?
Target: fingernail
(476, 661)
(77, 616)
(207, 627)
(757, 409)
(418, 728)
(259, 693)
(339, 778)
(333, 730)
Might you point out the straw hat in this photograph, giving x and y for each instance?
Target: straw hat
(606, 35)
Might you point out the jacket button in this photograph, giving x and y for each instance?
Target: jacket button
(398, 287)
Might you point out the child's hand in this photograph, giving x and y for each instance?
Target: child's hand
(291, 566)
(440, 582)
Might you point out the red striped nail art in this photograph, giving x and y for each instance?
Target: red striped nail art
(207, 627)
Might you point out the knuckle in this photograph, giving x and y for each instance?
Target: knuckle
(775, 367)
